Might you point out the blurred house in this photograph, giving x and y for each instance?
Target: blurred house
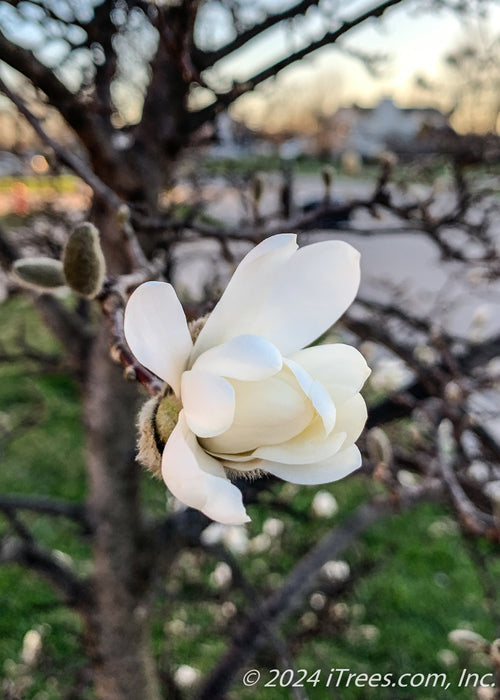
(369, 131)
(231, 139)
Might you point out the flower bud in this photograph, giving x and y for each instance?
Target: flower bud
(123, 215)
(495, 653)
(42, 273)
(32, 648)
(327, 176)
(196, 326)
(387, 159)
(468, 640)
(445, 437)
(453, 392)
(257, 187)
(492, 491)
(351, 163)
(83, 261)
(156, 421)
(379, 446)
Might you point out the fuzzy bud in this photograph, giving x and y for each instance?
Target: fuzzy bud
(83, 261)
(42, 273)
(327, 176)
(257, 187)
(495, 653)
(467, 640)
(195, 327)
(446, 438)
(492, 491)
(379, 447)
(123, 215)
(157, 419)
(453, 392)
(32, 648)
(387, 159)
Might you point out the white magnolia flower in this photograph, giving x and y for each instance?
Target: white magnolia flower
(251, 397)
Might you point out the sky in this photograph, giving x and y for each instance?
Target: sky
(414, 41)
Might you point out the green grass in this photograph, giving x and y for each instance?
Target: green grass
(415, 576)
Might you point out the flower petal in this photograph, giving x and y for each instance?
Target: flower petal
(309, 294)
(246, 293)
(156, 330)
(310, 446)
(340, 368)
(316, 393)
(331, 469)
(246, 357)
(351, 418)
(198, 480)
(208, 402)
(267, 412)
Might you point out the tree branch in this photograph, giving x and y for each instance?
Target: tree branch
(46, 506)
(206, 59)
(78, 166)
(75, 592)
(94, 132)
(300, 581)
(223, 100)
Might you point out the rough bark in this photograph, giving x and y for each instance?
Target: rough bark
(118, 623)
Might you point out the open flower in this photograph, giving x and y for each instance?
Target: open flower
(250, 396)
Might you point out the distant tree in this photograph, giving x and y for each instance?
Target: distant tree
(469, 83)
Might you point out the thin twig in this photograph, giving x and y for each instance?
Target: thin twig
(300, 581)
(69, 159)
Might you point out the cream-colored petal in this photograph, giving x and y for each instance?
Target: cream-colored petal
(311, 445)
(336, 467)
(314, 288)
(246, 293)
(267, 412)
(198, 480)
(246, 357)
(156, 330)
(351, 418)
(208, 402)
(316, 392)
(340, 368)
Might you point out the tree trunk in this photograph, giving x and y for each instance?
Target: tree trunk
(118, 625)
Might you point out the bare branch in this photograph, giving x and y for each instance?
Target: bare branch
(66, 157)
(300, 581)
(112, 304)
(207, 59)
(474, 520)
(73, 590)
(46, 506)
(80, 116)
(225, 99)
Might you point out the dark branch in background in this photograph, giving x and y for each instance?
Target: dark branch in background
(206, 59)
(474, 520)
(276, 640)
(16, 550)
(225, 99)
(78, 166)
(67, 326)
(101, 31)
(299, 583)
(112, 304)
(46, 506)
(93, 132)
